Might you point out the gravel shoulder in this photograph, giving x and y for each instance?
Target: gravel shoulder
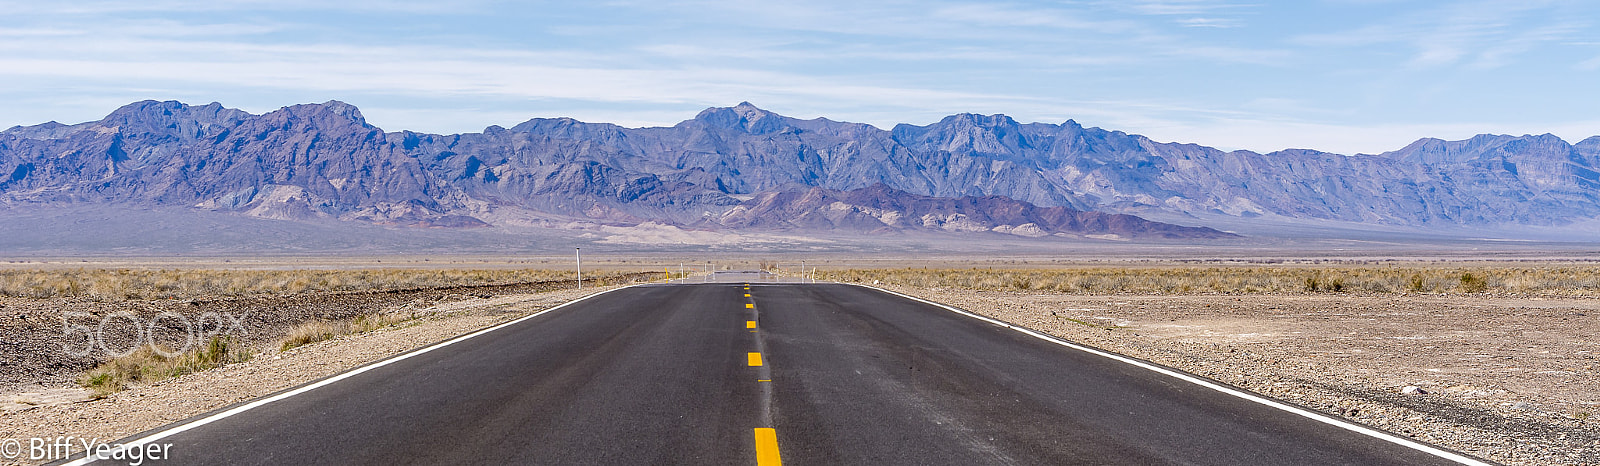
(1509, 380)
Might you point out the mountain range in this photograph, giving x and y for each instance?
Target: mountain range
(744, 168)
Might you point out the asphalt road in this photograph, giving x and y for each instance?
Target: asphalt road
(664, 374)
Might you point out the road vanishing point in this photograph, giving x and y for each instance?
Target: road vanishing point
(763, 373)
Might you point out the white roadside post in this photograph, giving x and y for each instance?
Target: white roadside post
(578, 254)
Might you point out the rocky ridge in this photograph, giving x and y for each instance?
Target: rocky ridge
(880, 209)
(325, 161)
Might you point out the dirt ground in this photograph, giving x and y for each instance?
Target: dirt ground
(1511, 380)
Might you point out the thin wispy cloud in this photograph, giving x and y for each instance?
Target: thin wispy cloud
(1181, 7)
(1503, 52)
(1590, 64)
(91, 8)
(1211, 22)
(1006, 15)
(1481, 34)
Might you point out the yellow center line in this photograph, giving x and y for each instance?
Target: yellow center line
(755, 359)
(763, 380)
(749, 324)
(767, 447)
(747, 295)
(750, 306)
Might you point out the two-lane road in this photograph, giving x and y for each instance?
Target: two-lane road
(669, 374)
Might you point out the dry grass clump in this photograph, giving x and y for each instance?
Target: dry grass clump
(149, 364)
(117, 284)
(1537, 281)
(312, 332)
(315, 331)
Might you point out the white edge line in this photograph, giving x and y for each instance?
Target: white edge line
(140, 443)
(1258, 398)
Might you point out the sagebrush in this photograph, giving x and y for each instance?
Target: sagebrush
(319, 330)
(1540, 281)
(117, 284)
(149, 364)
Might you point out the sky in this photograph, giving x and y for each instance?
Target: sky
(1345, 76)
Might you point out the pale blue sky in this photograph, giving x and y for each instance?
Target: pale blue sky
(1340, 75)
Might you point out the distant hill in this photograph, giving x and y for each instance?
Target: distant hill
(742, 167)
(881, 209)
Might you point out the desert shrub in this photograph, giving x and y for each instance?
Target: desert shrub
(1415, 283)
(312, 332)
(1540, 280)
(149, 364)
(315, 331)
(119, 284)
